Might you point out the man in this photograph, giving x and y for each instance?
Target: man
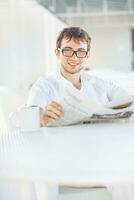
(72, 51)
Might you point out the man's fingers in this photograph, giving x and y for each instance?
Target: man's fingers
(54, 110)
(45, 120)
(52, 114)
(56, 105)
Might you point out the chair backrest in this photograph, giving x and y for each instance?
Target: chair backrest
(86, 193)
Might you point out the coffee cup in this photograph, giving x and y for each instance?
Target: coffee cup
(26, 119)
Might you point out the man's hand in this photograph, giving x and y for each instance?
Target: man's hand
(123, 105)
(52, 113)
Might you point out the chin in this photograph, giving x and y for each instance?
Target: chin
(74, 71)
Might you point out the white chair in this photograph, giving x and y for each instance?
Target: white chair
(10, 100)
(84, 193)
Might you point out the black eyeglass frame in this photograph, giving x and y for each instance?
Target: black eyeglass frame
(73, 52)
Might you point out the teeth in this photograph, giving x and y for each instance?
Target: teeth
(73, 63)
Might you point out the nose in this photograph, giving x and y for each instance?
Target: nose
(74, 56)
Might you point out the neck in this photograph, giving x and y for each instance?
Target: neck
(75, 78)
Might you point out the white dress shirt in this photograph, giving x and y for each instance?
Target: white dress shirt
(51, 88)
(47, 89)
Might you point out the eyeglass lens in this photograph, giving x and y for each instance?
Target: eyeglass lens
(70, 53)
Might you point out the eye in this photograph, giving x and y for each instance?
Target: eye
(67, 49)
(67, 52)
(81, 54)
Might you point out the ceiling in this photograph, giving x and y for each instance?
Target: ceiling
(91, 11)
(62, 6)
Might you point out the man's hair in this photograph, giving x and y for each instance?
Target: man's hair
(77, 33)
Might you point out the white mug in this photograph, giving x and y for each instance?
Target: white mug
(26, 119)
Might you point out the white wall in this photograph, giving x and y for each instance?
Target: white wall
(111, 39)
(27, 37)
(111, 48)
(27, 41)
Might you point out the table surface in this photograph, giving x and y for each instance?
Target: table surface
(89, 153)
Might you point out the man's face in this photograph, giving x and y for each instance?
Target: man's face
(72, 63)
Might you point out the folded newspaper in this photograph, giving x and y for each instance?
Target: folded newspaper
(79, 108)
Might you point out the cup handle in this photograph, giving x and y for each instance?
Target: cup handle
(14, 119)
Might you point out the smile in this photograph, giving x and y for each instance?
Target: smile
(73, 64)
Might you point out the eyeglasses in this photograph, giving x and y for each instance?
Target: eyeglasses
(70, 52)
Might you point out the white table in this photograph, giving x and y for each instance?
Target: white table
(90, 154)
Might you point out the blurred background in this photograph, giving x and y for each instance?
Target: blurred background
(28, 31)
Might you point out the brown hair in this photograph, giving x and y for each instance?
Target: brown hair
(77, 33)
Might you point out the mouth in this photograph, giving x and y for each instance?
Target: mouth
(73, 65)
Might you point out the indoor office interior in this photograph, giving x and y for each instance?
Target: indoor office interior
(28, 34)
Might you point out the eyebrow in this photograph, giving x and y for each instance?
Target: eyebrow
(73, 49)
(81, 49)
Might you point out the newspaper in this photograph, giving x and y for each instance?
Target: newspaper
(79, 108)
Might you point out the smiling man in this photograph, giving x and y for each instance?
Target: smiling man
(72, 51)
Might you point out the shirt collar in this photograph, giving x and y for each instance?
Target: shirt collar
(63, 82)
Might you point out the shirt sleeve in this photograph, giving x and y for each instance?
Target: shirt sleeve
(117, 95)
(40, 94)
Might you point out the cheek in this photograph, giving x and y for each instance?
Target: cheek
(63, 59)
(84, 61)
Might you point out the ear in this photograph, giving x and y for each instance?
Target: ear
(88, 54)
(56, 52)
